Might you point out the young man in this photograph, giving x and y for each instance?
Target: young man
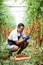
(14, 42)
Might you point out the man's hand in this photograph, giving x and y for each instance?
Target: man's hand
(23, 40)
(27, 37)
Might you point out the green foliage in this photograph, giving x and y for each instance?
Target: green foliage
(34, 13)
(36, 55)
(15, 0)
(6, 19)
(33, 10)
(5, 15)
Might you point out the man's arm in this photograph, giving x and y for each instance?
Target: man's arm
(20, 41)
(23, 40)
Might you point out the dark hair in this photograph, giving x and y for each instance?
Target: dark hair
(20, 24)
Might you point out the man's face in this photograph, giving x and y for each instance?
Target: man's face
(20, 29)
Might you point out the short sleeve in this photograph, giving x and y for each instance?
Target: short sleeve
(13, 36)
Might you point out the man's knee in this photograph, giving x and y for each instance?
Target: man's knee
(25, 44)
(15, 48)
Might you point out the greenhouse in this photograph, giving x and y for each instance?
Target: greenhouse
(21, 32)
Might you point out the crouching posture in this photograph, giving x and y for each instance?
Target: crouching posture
(14, 41)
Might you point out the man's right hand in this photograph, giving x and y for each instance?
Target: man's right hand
(26, 38)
